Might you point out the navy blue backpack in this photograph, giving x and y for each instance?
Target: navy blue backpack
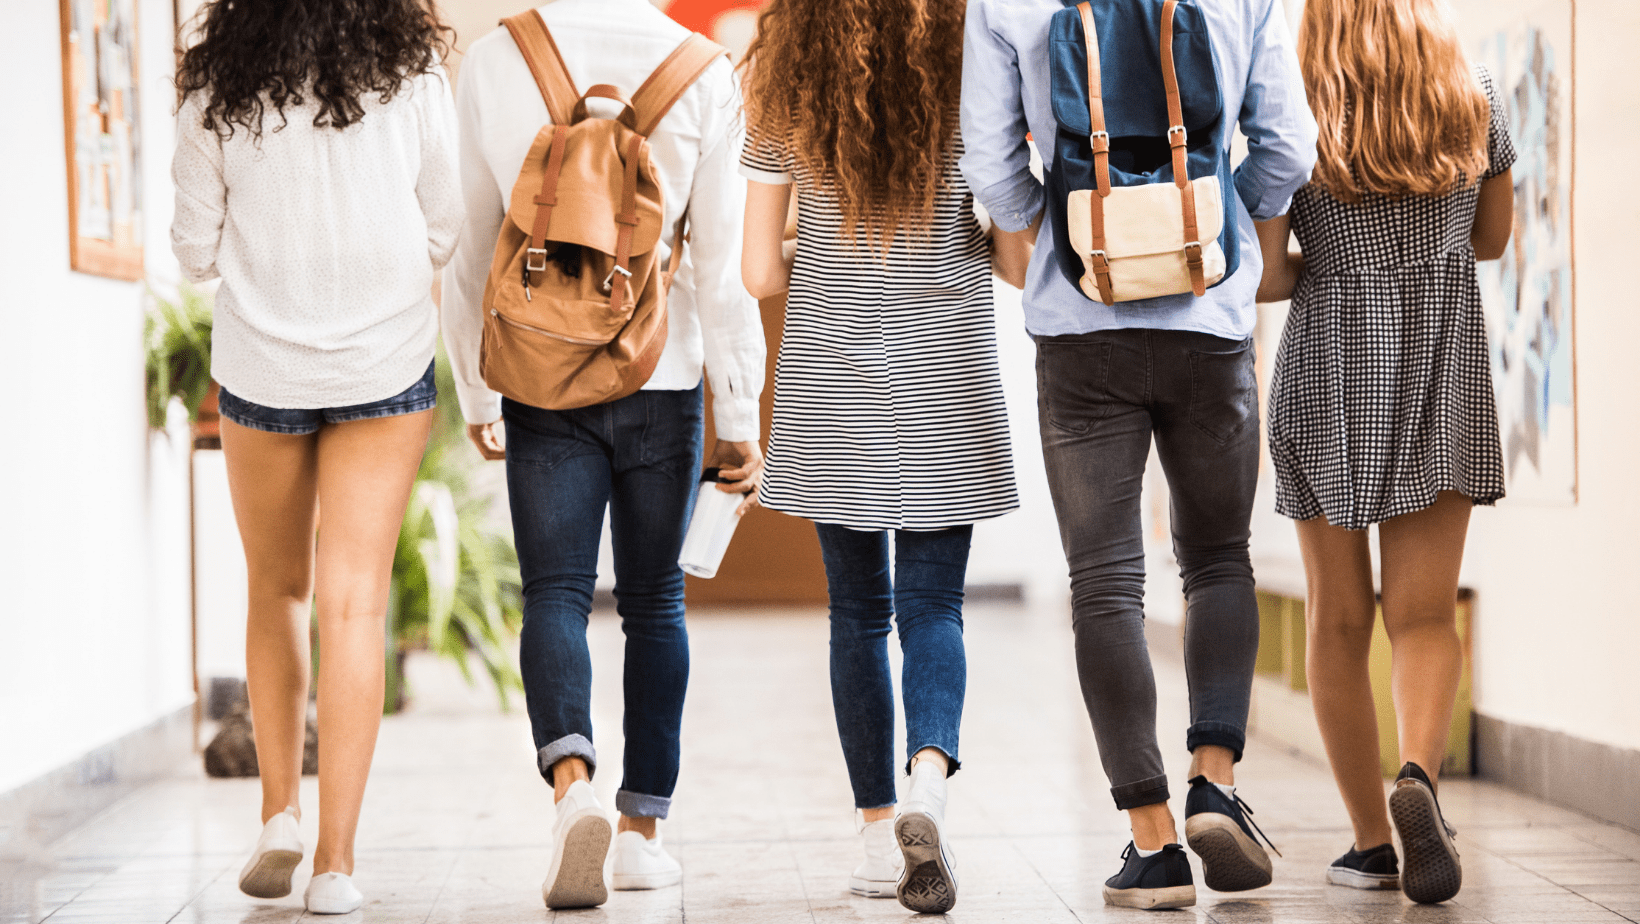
(1140, 187)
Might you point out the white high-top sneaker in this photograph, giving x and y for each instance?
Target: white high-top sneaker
(879, 873)
(640, 863)
(278, 850)
(580, 839)
(928, 885)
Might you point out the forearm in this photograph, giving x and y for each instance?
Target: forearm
(1281, 266)
(1011, 252)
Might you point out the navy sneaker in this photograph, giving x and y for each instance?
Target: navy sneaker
(1155, 882)
(1366, 869)
(1217, 827)
(1431, 872)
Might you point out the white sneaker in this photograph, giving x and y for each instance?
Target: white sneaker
(928, 884)
(580, 839)
(878, 874)
(332, 893)
(278, 850)
(640, 863)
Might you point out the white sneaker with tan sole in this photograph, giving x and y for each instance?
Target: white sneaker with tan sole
(580, 841)
(879, 874)
(332, 893)
(278, 850)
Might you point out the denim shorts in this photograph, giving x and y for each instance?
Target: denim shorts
(299, 421)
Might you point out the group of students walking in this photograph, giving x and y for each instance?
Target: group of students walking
(325, 174)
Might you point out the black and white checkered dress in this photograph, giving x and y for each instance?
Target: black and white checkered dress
(1382, 392)
(888, 407)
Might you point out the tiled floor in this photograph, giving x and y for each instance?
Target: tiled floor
(456, 823)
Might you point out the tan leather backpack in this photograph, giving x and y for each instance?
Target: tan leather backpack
(575, 304)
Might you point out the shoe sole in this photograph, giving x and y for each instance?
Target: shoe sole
(576, 878)
(639, 882)
(1231, 861)
(1429, 862)
(1152, 899)
(1355, 879)
(269, 875)
(927, 886)
(867, 888)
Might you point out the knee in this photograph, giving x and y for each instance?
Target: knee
(1428, 620)
(289, 585)
(1103, 593)
(1207, 566)
(1338, 623)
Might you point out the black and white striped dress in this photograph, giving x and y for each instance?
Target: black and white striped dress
(888, 408)
(1382, 392)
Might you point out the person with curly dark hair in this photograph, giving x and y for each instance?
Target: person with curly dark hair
(315, 173)
(889, 422)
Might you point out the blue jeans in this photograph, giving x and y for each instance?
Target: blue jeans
(925, 597)
(1102, 398)
(420, 396)
(639, 457)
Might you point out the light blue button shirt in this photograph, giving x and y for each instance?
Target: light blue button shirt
(1005, 93)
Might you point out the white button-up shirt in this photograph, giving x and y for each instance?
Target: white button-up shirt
(696, 148)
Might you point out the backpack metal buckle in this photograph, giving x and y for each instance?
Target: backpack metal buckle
(609, 281)
(1101, 262)
(531, 254)
(1194, 259)
(1100, 142)
(1181, 130)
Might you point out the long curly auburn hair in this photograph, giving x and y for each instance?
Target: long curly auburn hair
(867, 91)
(252, 55)
(1399, 109)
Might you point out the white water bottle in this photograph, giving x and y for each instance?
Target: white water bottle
(711, 527)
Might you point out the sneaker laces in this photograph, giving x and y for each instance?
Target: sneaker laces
(1247, 813)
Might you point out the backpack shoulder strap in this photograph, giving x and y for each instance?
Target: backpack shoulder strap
(529, 32)
(1099, 139)
(676, 74)
(1176, 138)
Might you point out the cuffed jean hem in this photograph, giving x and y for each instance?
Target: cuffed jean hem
(567, 746)
(1225, 736)
(952, 765)
(1140, 794)
(641, 805)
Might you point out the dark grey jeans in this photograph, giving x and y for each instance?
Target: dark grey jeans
(1101, 398)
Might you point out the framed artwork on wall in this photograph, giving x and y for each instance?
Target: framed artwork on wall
(103, 141)
(1528, 294)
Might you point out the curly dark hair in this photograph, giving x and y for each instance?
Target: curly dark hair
(867, 91)
(253, 54)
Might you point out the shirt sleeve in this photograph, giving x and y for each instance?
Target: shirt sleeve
(438, 185)
(1276, 118)
(1500, 148)
(765, 159)
(730, 324)
(996, 161)
(460, 311)
(201, 192)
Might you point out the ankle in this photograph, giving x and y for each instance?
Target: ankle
(566, 773)
(873, 815)
(1152, 826)
(1216, 762)
(933, 756)
(643, 825)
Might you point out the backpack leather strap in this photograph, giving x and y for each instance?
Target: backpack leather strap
(529, 32)
(627, 218)
(677, 73)
(535, 258)
(1176, 138)
(1099, 139)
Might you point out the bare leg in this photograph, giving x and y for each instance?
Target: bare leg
(1152, 826)
(272, 479)
(366, 471)
(1339, 612)
(1422, 552)
(1214, 761)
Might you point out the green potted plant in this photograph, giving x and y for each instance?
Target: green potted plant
(177, 339)
(456, 587)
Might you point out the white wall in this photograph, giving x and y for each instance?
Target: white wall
(93, 547)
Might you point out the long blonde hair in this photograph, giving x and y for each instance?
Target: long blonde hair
(1399, 109)
(867, 90)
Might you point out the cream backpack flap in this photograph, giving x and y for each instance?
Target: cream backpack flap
(1139, 181)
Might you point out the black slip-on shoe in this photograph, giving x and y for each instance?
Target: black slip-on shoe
(1367, 869)
(1155, 882)
(1430, 871)
(1217, 827)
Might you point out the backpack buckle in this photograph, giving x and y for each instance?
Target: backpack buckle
(1183, 134)
(1100, 142)
(1101, 262)
(609, 281)
(1194, 258)
(531, 254)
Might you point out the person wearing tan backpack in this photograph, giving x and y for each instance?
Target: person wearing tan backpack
(574, 311)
